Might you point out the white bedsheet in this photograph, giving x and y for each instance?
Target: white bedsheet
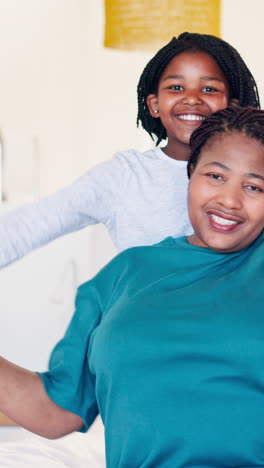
(73, 451)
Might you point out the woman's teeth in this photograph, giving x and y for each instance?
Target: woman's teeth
(223, 221)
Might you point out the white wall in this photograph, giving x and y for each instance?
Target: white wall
(57, 82)
(242, 26)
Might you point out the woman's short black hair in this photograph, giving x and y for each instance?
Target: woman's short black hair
(241, 82)
(247, 120)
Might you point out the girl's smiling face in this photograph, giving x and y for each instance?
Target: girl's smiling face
(226, 193)
(190, 89)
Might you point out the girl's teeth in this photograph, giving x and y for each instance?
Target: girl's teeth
(191, 117)
(224, 222)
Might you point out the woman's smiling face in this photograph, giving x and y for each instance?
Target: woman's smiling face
(226, 193)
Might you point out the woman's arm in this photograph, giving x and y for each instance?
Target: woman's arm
(24, 400)
(63, 399)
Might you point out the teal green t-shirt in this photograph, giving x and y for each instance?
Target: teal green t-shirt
(167, 343)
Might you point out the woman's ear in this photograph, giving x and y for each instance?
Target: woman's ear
(152, 103)
(191, 170)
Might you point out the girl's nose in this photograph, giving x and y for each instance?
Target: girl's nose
(192, 98)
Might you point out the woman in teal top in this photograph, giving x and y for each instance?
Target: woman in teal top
(167, 341)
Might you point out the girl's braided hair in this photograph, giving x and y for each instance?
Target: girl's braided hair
(241, 82)
(247, 120)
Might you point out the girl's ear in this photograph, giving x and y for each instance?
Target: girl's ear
(152, 103)
(234, 102)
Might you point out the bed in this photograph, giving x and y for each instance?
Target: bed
(21, 449)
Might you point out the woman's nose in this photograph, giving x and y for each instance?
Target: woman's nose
(229, 196)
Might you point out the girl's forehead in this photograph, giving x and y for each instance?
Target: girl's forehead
(191, 56)
(194, 64)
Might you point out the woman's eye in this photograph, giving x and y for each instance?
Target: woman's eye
(214, 176)
(253, 188)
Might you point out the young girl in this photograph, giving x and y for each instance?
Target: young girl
(167, 341)
(141, 198)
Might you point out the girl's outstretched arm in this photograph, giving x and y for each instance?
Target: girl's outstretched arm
(87, 201)
(24, 400)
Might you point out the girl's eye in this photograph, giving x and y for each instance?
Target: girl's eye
(209, 89)
(176, 87)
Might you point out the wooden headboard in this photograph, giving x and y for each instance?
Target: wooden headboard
(5, 421)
